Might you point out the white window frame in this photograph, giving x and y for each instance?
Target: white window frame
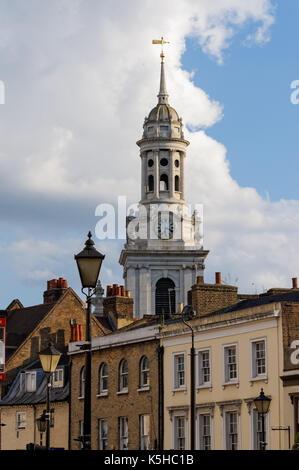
(201, 413)
(144, 434)
(175, 385)
(143, 370)
(253, 373)
(103, 391)
(122, 388)
(201, 383)
(174, 433)
(225, 437)
(31, 374)
(58, 382)
(82, 382)
(225, 379)
(123, 424)
(21, 420)
(81, 433)
(103, 439)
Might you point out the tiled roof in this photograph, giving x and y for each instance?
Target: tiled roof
(22, 321)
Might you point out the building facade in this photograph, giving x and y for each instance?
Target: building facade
(60, 319)
(240, 350)
(125, 386)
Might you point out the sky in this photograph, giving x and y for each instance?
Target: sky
(81, 75)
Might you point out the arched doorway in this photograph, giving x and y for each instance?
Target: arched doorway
(165, 296)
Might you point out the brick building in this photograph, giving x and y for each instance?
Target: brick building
(126, 381)
(60, 319)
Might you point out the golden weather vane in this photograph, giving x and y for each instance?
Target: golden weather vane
(161, 41)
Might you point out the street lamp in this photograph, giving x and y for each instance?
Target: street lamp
(89, 262)
(41, 426)
(262, 404)
(49, 359)
(190, 313)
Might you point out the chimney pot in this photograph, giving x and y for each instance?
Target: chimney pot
(218, 278)
(295, 282)
(109, 289)
(180, 307)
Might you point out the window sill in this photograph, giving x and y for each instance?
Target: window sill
(263, 378)
(144, 389)
(236, 383)
(80, 398)
(103, 394)
(182, 389)
(204, 386)
(123, 392)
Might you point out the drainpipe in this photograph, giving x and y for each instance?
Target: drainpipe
(34, 423)
(160, 398)
(70, 404)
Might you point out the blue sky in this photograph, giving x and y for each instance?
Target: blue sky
(81, 75)
(260, 125)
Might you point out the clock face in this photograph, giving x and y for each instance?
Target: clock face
(165, 227)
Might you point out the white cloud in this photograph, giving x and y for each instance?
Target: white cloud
(80, 77)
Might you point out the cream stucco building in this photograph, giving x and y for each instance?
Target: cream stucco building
(239, 350)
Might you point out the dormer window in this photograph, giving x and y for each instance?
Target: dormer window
(30, 381)
(150, 129)
(58, 378)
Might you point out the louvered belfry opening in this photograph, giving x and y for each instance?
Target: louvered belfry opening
(165, 298)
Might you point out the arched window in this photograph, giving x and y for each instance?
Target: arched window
(123, 375)
(176, 183)
(165, 296)
(82, 382)
(163, 182)
(150, 183)
(103, 378)
(144, 372)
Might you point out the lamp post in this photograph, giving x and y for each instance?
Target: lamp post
(89, 262)
(41, 426)
(189, 312)
(262, 404)
(49, 359)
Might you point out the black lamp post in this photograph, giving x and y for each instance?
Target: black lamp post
(262, 404)
(189, 313)
(89, 262)
(41, 426)
(49, 359)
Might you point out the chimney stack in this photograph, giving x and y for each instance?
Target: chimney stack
(295, 282)
(55, 289)
(118, 305)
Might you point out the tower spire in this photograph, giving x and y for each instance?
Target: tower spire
(163, 95)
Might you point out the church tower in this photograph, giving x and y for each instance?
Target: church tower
(164, 253)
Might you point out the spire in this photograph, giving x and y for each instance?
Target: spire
(163, 95)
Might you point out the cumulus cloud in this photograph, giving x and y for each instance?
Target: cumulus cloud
(80, 77)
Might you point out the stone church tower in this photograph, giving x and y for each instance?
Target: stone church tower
(164, 253)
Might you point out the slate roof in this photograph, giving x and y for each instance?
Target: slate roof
(17, 395)
(292, 296)
(22, 321)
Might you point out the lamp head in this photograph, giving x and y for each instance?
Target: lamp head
(89, 262)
